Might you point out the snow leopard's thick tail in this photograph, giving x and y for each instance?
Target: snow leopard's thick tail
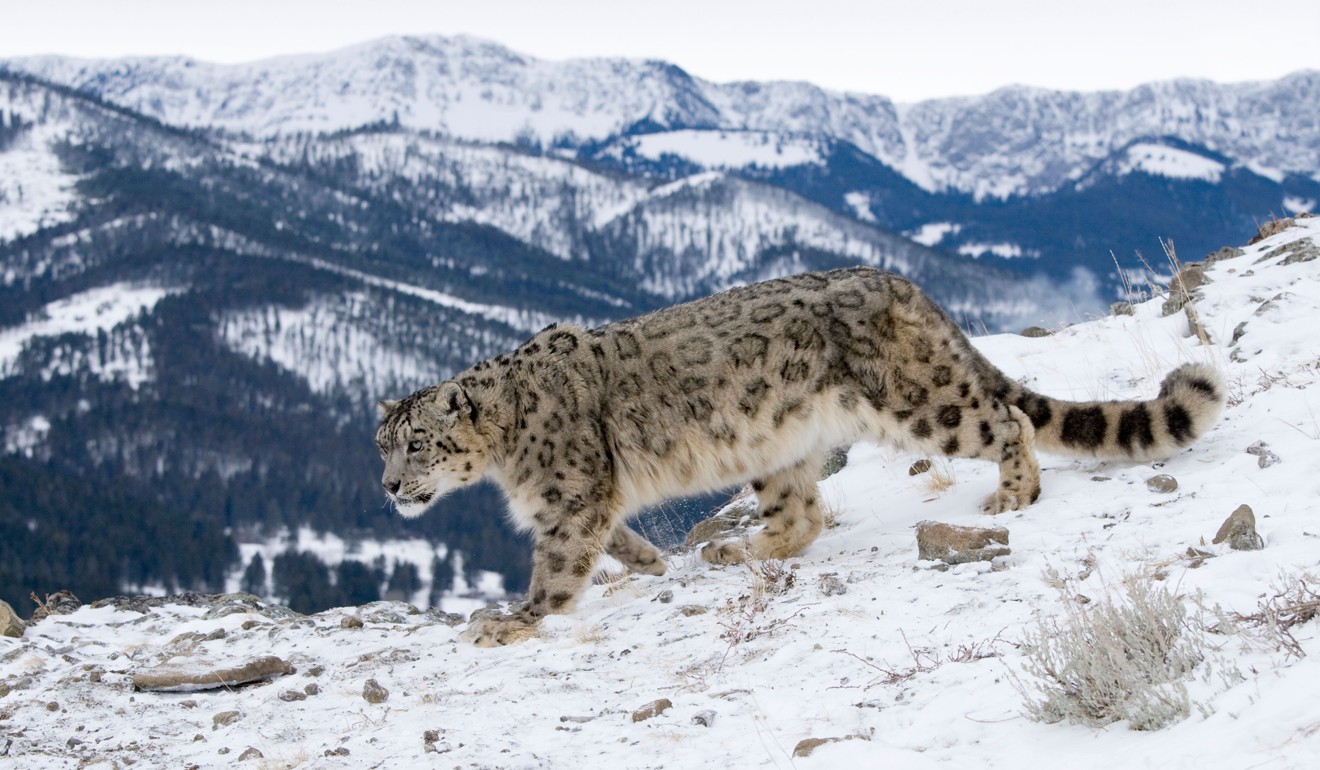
(1190, 400)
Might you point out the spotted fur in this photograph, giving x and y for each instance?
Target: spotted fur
(582, 428)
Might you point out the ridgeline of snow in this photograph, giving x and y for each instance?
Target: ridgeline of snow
(478, 90)
(1171, 162)
(911, 664)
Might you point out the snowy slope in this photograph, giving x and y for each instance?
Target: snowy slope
(866, 641)
(1012, 141)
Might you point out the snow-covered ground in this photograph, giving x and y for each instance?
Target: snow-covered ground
(912, 665)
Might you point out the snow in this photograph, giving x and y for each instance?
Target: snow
(729, 149)
(1005, 250)
(89, 312)
(860, 203)
(1295, 205)
(932, 233)
(1171, 162)
(1015, 141)
(882, 660)
(35, 192)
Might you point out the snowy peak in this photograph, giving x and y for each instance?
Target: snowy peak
(1014, 141)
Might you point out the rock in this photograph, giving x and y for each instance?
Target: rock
(919, 467)
(393, 612)
(312, 689)
(805, 746)
(59, 603)
(1300, 250)
(224, 718)
(374, 693)
(704, 718)
(1177, 301)
(451, 619)
(251, 753)
(1227, 252)
(652, 709)
(11, 624)
(1265, 458)
(1036, 331)
(289, 696)
(1122, 308)
(1272, 227)
(953, 544)
(664, 597)
(1189, 279)
(831, 585)
(1238, 331)
(1162, 483)
(692, 609)
(835, 461)
(350, 621)
(1239, 530)
(194, 675)
(713, 529)
(218, 605)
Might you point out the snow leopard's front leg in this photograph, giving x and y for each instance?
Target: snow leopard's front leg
(566, 547)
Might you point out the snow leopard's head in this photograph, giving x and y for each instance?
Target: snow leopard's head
(430, 445)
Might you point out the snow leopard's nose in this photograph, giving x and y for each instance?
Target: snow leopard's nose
(391, 485)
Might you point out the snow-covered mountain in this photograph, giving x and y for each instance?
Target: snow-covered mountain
(855, 653)
(205, 269)
(1013, 141)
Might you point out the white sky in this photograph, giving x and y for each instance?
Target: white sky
(907, 50)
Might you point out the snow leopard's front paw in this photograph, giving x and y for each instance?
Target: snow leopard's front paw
(725, 552)
(496, 630)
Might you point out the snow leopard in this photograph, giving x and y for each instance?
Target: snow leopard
(582, 428)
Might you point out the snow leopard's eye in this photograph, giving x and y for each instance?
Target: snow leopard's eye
(415, 446)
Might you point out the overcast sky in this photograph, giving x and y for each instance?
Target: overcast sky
(907, 50)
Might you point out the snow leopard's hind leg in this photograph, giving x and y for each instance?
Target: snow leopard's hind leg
(789, 504)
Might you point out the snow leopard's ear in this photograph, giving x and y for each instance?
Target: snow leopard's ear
(383, 408)
(453, 400)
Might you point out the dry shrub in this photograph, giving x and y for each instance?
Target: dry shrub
(1124, 656)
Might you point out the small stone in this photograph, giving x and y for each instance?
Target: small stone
(431, 736)
(805, 746)
(1264, 457)
(953, 544)
(1238, 331)
(1036, 331)
(1163, 483)
(665, 597)
(704, 718)
(251, 753)
(289, 696)
(312, 689)
(11, 624)
(1239, 530)
(225, 718)
(919, 467)
(652, 709)
(831, 585)
(1122, 308)
(374, 693)
(342, 751)
(53, 706)
(692, 609)
(351, 621)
